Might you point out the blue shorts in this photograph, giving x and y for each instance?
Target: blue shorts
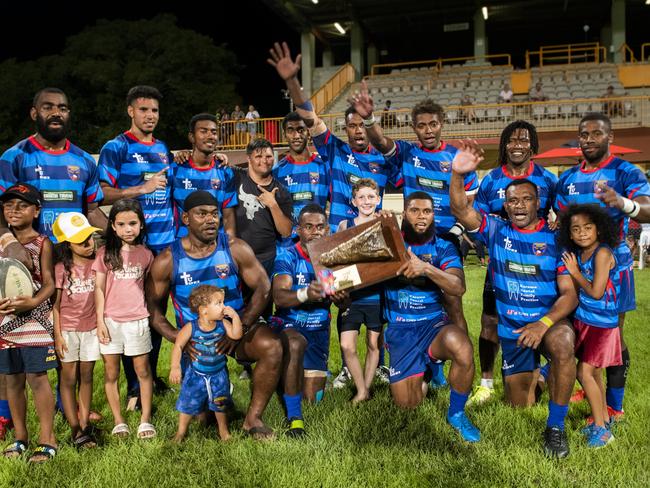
(204, 391)
(318, 348)
(517, 359)
(408, 346)
(627, 295)
(29, 359)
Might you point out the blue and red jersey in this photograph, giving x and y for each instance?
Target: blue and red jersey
(492, 191)
(68, 179)
(524, 266)
(295, 262)
(187, 178)
(418, 301)
(347, 167)
(603, 311)
(125, 162)
(429, 171)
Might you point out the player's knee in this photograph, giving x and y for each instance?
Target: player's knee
(459, 346)
(349, 348)
(297, 345)
(269, 348)
(86, 376)
(561, 346)
(142, 371)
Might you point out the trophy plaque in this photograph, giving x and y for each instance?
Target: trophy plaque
(360, 256)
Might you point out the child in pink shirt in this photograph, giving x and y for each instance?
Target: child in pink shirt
(122, 317)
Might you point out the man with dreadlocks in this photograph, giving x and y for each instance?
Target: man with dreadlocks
(517, 146)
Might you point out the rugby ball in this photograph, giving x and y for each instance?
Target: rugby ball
(15, 279)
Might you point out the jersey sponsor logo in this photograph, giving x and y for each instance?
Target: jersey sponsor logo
(417, 163)
(302, 280)
(48, 217)
(445, 166)
(187, 184)
(223, 270)
(215, 183)
(314, 178)
(539, 248)
(402, 299)
(59, 195)
(428, 182)
(351, 161)
(501, 193)
(507, 366)
(507, 244)
(374, 167)
(353, 178)
(138, 158)
(301, 318)
(571, 188)
(519, 268)
(74, 172)
(187, 278)
(289, 180)
(303, 195)
(513, 290)
(40, 172)
(250, 201)
(393, 372)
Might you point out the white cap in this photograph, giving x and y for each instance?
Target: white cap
(72, 227)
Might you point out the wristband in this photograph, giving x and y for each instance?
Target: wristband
(301, 295)
(370, 122)
(392, 152)
(635, 212)
(306, 105)
(546, 321)
(457, 229)
(628, 206)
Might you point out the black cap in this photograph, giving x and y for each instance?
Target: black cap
(24, 191)
(199, 197)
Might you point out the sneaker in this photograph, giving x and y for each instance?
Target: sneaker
(383, 374)
(342, 379)
(5, 425)
(480, 395)
(614, 416)
(555, 443)
(578, 396)
(438, 380)
(296, 428)
(599, 436)
(464, 426)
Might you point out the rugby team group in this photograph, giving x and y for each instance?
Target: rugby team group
(228, 246)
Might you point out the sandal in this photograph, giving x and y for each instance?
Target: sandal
(15, 449)
(146, 431)
(45, 451)
(85, 440)
(121, 430)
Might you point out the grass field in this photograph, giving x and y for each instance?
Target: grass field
(374, 444)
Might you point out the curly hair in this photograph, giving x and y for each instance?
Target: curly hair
(510, 129)
(201, 295)
(113, 251)
(607, 233)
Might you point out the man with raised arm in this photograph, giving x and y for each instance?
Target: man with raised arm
(534, 296)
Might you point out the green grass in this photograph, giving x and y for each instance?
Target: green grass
(374, 445)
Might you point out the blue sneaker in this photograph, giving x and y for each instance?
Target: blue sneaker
(464, 426)
(438, 379)
(599, 437)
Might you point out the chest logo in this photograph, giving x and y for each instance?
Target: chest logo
(223, 270)
(314, 178)
(539, 248)
(215, 183)
(74, 172)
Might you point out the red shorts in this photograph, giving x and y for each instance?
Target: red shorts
(597, 346)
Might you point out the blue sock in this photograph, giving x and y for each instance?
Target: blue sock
(59, 403)
(382, 356)
(4, 409)
(319, 395)
(545, 370)
(457, 402)
(614, 397)
(294, 405)
(556, 414)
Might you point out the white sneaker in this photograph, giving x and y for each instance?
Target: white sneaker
(383, 374)
(342, 379)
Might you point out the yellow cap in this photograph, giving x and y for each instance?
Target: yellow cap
(72, 227)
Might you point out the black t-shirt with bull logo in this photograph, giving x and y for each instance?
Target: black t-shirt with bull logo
(254, 221)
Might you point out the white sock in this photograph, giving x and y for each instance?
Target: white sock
(488, 383)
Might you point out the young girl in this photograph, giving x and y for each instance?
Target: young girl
(206, 379)
(122, 317)
(75, 322)
(365, 307)
(588, 234)
(26, 329)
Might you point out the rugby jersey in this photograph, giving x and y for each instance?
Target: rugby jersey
(208, 360)
(603, 311)
(429, 170)
(125, 162)
(68, 180)
(492, 191)
(418, 301)
(308, 181)
(295, 262)
(524, 266)
(218, 269)
(348, 167)
(187, 178)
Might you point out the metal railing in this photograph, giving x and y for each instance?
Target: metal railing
(440, 62)
(485, 120)
(643, 46)
(627, 52)
(586, 52)
(333, 87)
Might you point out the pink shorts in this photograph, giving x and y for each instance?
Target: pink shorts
(597, 346)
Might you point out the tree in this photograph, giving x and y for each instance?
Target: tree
(99, 65)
